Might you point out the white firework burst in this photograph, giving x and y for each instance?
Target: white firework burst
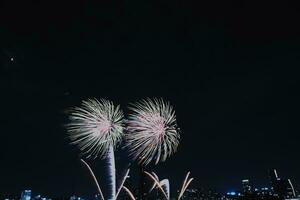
(152, 131)
(95, 127)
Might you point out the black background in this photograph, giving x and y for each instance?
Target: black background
(228, 67)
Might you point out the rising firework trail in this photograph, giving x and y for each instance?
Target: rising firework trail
(152, 132)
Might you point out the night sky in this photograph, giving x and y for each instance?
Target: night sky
(229, 68)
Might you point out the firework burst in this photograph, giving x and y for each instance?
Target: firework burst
(152, 131)
(95, 127)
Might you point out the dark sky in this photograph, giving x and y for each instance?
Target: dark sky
(228, 67)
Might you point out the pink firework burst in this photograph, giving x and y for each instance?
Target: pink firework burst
(152, 131)
(95, 126)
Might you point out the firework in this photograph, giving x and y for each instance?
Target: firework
(187, 181)
(158, 184)
(95, 127)
(94, 178)
(112, 194)
(164, 185)
(152, 131)
(130, 194)
(122, 182)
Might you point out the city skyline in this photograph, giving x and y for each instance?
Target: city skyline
(276, 189)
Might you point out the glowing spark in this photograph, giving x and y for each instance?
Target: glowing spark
(95, 127)
(129, 192)
(158, 184)
(122, 182)
(152, 131)
(154, 184)
(294, 194)
(164, 185)
(187, 181)
(94, 178)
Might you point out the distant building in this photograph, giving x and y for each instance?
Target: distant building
(191, 194)
(37, 197)
(281, 189)
(75, 198)
(201, 194)
(26, 195)
(246, 186)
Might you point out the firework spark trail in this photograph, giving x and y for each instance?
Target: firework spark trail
(122, 182)
(94, 178)
(185, 184)
(129, 193)
(111, 181)
(164, 185)
(157, 184)
(152, 131)
(185, 180)
(293, 190)
(95, 126)
(154, 184)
